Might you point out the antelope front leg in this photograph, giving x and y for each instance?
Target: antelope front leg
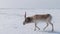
(36, 27)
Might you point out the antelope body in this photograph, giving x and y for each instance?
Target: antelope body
(37, 18)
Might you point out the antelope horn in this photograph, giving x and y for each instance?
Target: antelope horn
(25, 14)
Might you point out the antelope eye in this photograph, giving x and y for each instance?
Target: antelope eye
(27, 20)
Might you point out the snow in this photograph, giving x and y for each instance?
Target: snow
(11, 21)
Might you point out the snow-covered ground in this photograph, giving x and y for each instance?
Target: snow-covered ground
(11, 21)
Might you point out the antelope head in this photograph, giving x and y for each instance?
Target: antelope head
(27, 19)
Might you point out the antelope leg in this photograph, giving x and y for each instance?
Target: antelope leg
(52, 26)
(45, 26)
(36, 27)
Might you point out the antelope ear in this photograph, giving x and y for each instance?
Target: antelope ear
(25, 15)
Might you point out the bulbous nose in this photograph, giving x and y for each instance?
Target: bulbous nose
(23, 23)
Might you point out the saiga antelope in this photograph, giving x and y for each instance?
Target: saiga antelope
(34, 19)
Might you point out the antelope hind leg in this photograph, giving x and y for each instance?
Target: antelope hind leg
(45, 26)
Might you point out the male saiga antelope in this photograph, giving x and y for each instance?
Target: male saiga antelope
(35, 18)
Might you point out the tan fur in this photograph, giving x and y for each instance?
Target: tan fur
(46, 17)
(40, 16)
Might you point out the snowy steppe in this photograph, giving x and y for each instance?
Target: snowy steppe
(11, 21)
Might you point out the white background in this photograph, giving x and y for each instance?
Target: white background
(11, 21)
(30, 4)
